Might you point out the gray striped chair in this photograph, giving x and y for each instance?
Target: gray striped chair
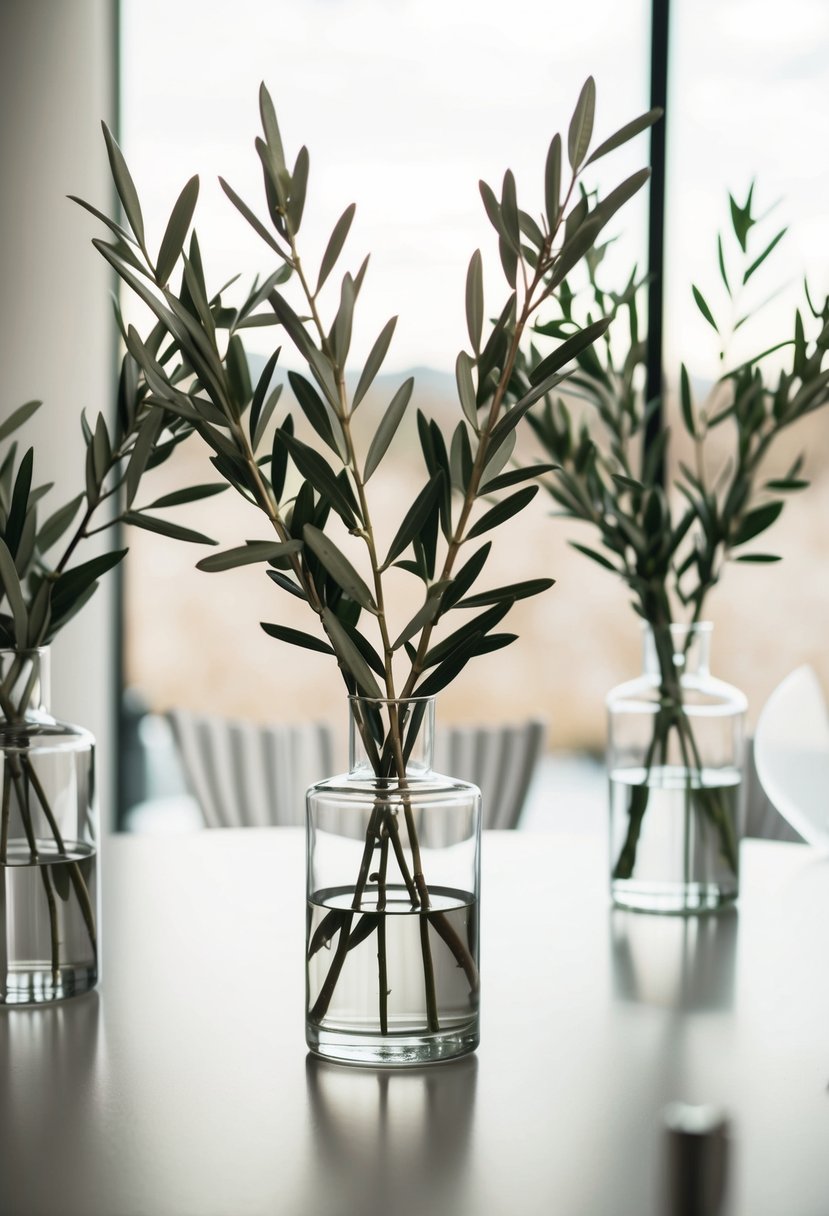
(500, 759)
(246, 775)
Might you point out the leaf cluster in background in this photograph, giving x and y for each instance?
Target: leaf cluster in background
(670, 550)
(42, 582)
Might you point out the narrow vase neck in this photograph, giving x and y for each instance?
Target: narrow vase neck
(24, 683)
(683, 649)
(391, 739)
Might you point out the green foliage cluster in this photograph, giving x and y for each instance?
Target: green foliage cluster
(40, 589)
(671, 548)
(199, 374)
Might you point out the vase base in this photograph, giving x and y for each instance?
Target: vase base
(392, 1051)
(672, 899)
(41, 987)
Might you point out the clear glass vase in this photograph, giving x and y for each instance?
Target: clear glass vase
(675, 763)
(393, 888)
(48, 842)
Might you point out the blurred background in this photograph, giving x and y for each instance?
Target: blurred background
(404, 105)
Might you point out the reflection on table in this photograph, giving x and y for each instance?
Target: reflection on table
(183, 1085)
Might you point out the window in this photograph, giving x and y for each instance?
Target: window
(403, 107)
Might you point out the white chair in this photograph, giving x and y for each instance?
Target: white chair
(500, 759)
(762, 818)
(791, 755)
(246, 775)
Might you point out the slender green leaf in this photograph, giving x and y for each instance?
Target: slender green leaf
(296, 637)
(120, 232)
(758, 262)
(786, 484)
(350, 656)
(721, 261)
(335, 244)
(190, 494)
(318, 471)
(374, 362)
(581, 124)
(339, 567)
(341, 331)
(466, 576)
(319, 414)
(568, 350)
(625, 133)
(279, 457)
(176, 231)
(597, 557)
(19, 502)
(13, 592)
(248, 555)
(124, 185)
(287, 584)
(387, 427)
(764, 558)
(514, 476)
(756, 521)
(55, 526)
(74, 583)
(686, 401)
(515, 591)
(509, 212)
(466, 388)
(142, 449)
(703, 307)
(165, 527)
(503, 511)
(425, 614)
(17, 417)
(299, 186)
(475, 300)
(270, 126)
(259, 395)
(415, 517)
(255, 223)
(552, 183)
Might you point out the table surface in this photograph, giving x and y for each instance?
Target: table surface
(183, 1084)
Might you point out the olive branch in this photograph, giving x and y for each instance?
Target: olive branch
(672, 551)
(206, 383)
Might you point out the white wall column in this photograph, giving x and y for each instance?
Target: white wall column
(57, 81)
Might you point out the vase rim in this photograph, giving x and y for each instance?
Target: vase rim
(413, 700)
(682, 627)
(25, 650)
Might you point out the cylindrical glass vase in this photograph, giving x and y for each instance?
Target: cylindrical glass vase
(675, 763)
(393, 888)
(48, 842)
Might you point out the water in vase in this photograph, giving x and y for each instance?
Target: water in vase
(392, 974)
(48, 946)
(679, 852)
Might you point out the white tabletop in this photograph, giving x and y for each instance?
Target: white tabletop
(183, 1085)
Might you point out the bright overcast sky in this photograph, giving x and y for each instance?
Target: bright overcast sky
(405, 104)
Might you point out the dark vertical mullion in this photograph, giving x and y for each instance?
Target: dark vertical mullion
(660, 14)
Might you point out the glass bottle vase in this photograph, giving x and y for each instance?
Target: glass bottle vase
(675, 764)
(393, 888)
(48, 842)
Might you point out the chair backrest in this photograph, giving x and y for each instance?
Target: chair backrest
(500, 759)
(246, 775)
(762, 818)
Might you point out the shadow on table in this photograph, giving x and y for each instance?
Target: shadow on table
(677, 962)
(393, 1141)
